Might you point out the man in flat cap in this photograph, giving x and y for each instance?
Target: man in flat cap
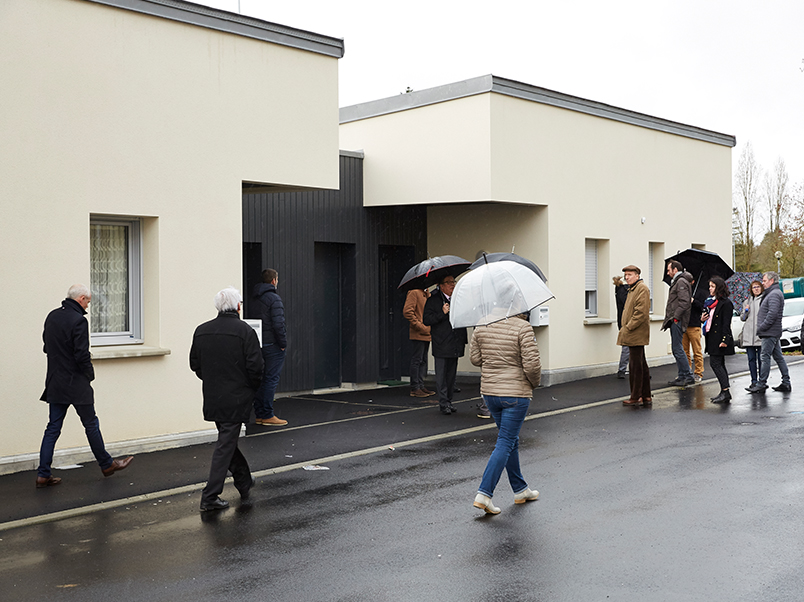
(635, 334)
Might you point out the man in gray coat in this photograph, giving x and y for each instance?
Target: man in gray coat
(769, 330)
(676, 318)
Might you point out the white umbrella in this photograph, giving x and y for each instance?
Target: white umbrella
(494, 292)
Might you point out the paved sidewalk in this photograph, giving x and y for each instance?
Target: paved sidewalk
(320, 427)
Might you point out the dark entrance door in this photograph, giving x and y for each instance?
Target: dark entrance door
(394, 350)
(252, 275)
(333, 311)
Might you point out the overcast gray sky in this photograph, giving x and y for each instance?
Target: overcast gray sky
(735, 66)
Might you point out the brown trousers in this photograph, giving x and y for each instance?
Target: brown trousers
(692, 338)
(639, 374)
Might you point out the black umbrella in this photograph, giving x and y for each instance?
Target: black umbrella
(701, 264)
(432, 270)
(492, 257)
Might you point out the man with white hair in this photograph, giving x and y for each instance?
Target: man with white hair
(69, 374)
(226, 356)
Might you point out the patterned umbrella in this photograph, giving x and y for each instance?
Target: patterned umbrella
(740, 286)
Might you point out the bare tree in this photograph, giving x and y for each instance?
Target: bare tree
(777, 195)
(746, 196)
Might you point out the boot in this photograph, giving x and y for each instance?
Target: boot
(724, 397)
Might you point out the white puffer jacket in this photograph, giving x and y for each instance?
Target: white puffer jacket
(508, 358)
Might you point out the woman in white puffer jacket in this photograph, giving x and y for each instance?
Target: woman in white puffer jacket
(510, 369)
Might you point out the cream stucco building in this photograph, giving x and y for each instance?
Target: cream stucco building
(580, 187)
(128, 130)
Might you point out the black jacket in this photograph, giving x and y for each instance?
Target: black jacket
(272, 314)
(720, 332)
(620, 295)
(69, 364)
(446, 341)
(226, 355)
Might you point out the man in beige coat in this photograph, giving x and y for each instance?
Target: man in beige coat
(419, 341)
(635, 334)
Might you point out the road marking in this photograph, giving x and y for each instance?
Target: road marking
(73, 512)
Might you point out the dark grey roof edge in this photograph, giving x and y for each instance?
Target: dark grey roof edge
(221, 20)
(491, 83)
(359, 154)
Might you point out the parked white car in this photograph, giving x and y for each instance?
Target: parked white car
(791, 324)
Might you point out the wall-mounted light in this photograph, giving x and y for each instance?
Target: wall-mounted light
(643, 220)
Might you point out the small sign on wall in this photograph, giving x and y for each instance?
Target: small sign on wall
(257, 326)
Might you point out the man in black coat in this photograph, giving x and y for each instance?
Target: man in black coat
(225, 355)
(274, 342)
(448, 343)
(69, 374)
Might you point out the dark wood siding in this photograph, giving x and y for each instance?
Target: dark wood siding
(286, 227)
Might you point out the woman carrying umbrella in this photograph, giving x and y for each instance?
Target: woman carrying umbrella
(748, 337)
(718, 311)
(510, 369)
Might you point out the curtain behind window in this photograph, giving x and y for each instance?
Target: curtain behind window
(109, 281)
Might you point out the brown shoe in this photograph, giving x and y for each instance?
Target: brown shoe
(647, 401)
(632, 402)
(272, 421)
(47, 481)
(117, 465)
(419, 393)
(428, 391)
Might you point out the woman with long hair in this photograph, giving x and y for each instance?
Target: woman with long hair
(748, 337)
(716, 319)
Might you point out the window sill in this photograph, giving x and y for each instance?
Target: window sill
(596, 321)
(121, 351)
(656, 318)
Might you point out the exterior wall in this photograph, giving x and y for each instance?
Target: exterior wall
(107, 111)
(555, 177)
(445, 145)
(288, 225)
(600, 178)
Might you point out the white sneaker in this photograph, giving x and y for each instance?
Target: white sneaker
(484, 503)
(526, 496)
(698, 378)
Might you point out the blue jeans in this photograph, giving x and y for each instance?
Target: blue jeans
(754, 362)
(676, 334)
(274, 359)
(86, 412)
(772, 348)
(509, 414)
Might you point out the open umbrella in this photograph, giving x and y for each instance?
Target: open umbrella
(494, 292)
(740, 286)
(432, 270)
(701, 264)
(492, 257)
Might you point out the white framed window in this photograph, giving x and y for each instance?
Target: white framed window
(590, 278)
(115, 280)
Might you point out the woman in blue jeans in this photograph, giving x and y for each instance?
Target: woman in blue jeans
(510, 369)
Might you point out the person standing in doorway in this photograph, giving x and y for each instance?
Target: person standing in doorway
(225, 355)
(419, 341)
(69, 374)
(448, 343)
(676, 319)
(635, 333)
(274, 343)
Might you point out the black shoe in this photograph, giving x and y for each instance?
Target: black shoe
(724, 397)
(446, 410)
(456, 390)
(216, 504)
(620, 375)
(452, 408)
(783, 388)
(689, 381)
(678, 382)
(757, 388)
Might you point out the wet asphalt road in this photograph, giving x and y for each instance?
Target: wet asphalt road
(686, 501)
